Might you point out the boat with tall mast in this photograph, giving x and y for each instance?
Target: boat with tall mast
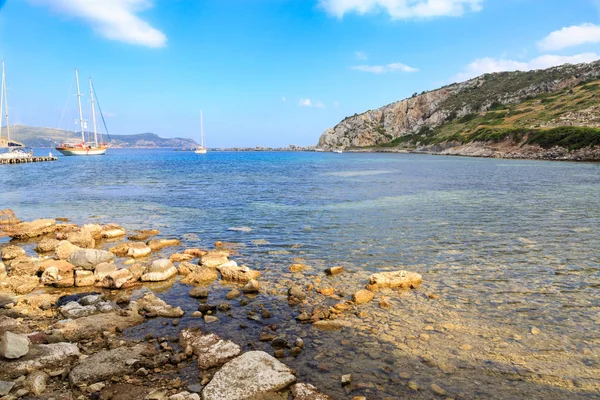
(202, 148)
(92, 148)
(15, 150)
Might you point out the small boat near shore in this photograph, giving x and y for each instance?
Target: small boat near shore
(202, 148)
(338, 151)
(83, 148)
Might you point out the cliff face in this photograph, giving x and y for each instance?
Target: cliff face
(436, 108)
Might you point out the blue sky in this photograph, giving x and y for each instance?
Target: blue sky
(269, 72)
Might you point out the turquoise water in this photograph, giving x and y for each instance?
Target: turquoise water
(511, 243)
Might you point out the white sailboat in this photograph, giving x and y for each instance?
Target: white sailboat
(202, 148)
(84, 149)
(14, 149)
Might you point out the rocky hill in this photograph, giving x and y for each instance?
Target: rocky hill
(503, 114)
(32, 136)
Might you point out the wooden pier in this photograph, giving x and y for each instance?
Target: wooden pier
(26, 160)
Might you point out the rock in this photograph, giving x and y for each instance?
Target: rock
(346, 379)
(104, 269)
(157, 244)
(235, 273)
(159, 270)
(13, 346)
(362, 296)
(210, 349)
(94, 229)
(22, 284)
(157, 307)
(213, 259)
(413, 386)
(232, 294)
(396, 279)
(120, 249)
(89, 258)
(46, 245)
(96, 387)
(24, 266)
(36, 382)
(254, 375)
(108, 363)
(41, 356)
(201, 275)
(210, 318)
(27, 230)
(252, 286)
(75, 310)
(6, 387)
(186, 268)
(112, 231)
(81, 238)
(334, 270)
(116, 279)
(306, 391)
(195, 252)
(7, 218)
(178, 257)
(52, 276)
(384, 303)
(84, 278)
(138, 250)
(299, 343)
(12, 252)
(141, 235)
(535, 331)
(65, 249)
(328, 291)
(199, 293)
(3, 273)
(297, 292)
(438, 390)
(298, 267)
(330, 324)
(92, 325)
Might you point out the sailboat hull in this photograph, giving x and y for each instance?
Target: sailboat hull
(200, 151)
(94, 151)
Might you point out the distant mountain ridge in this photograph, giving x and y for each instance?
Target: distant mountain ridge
(33, 136)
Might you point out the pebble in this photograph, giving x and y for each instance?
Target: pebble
(346, 379)
(210, 318)
(535, 331)
(413, 386)
(96, 387)
(279, 353)
(438, 390)
(466, 347)
(233, 294)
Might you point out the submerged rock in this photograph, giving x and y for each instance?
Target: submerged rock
(89, 258)
(157, 307)
(214, 259)
(396, 279)
(210, 349)
(334, 270)
(306, 391)
(157, 244)
(362, 296)
(254, 375)
(13, 346)
(138, 250)
(200, 275)
(159, 270)
(235, 273)
(112, 231)
(12, 252)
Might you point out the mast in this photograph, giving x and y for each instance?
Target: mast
(93, 113)
(5, 103)
(201, 130)
(79, 104)
(2, 101)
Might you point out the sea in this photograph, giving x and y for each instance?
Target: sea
(509, 251)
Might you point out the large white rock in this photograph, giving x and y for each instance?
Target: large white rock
(159, 270)
(396, 279)
(254, 375)
(89, 258)
(210, 349)
(13, 346)
(41, 356)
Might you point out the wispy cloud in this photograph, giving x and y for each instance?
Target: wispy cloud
(283, 99)
(309, 103)
(488, 65)
(399, 9)
(382, 69)
(570, 37)
(112, 19)
(361, 55)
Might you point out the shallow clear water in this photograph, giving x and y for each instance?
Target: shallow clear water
(510, 243)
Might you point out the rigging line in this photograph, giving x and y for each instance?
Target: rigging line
(101, 115)
(62, 116)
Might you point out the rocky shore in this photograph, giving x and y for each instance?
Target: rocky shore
(67, 311)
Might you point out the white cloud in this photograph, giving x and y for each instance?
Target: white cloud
(487, 65)
(400, 9)
(283, 98)
(570, 37)
(361, 55)
(310, 103)
(382, 69)
(113, 19)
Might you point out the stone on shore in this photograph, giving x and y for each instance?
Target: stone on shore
(159, 270)
(252, 286)
(334, 270)
(186, 268)
(84, 278)
(22, 284)
(41, 356)
(156, 307)
(24, 266)
(306, 391)
(362, 296)
(108, 363)
(89, 258)
(195, 252)
(331, 324)
(94, 229)
(116, 279)
(235, 273)
(82, 238)
(179, 257)
(65, 249)
(121, 249)
(8, 218)
(28, 230)
(232, 294)
(138, 250)
(86, 327)
(112, 231)
(12, 252)
(396, 279)
(201, 275)
(6, 387)
(214, 259)
(104, 269)
(199, 293)
(141, 235)
(298, 267)
(36, 382)
(47, 245)
(13, 346)
(254, 375)
(157, 244)
(210, 350)
(3, 273)
(53, 276)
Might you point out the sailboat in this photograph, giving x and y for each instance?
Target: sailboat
(202, 148)
(14, 149)
(84, 148)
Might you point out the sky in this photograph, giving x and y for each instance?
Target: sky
(268, 72)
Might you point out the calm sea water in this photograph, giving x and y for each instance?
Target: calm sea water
(516, 241)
